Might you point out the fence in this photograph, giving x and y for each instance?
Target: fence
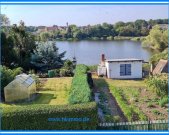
(140, 125)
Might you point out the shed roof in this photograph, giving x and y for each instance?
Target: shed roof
(162, 66)
(124, 60)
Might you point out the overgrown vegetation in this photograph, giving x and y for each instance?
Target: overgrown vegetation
(50, 117)
(157, 40)
(80, 90)
(158, 84)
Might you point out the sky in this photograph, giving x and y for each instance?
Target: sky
(48, 15)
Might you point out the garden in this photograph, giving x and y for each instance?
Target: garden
(62, 98)
(138, 100)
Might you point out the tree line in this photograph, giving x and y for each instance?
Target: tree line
(103, 31)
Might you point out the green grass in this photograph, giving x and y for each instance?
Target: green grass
(54, 92)
(127, 83)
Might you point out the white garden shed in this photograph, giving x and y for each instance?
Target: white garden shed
(124, 68)
(22, 87)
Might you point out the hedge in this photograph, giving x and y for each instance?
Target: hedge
(51, 73)
(80, 90)
(45, 117)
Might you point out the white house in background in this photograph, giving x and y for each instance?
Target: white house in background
(121, 68)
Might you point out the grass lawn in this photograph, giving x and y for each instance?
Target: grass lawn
(53, 92)
(127, 83)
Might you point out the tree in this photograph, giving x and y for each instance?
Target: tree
(157, 39)
(46, 56)
(24, 43)
(8, 55)
(44, 36)
(4, 20)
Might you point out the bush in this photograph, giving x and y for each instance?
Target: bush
(43, 117)
(80, 91)
(93, 68)
(7, 75)
(163, 101)
(36, 78)
(110, 38)
(158, 84)
(67, 69)
(51, 73)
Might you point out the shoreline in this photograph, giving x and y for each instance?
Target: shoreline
(116, 38)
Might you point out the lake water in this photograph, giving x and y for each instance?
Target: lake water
(89, 52)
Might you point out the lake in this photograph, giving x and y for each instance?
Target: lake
(89, 52)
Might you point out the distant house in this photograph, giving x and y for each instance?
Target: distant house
(41, 29)
(161, 67)
(121, 68)
(53, 28)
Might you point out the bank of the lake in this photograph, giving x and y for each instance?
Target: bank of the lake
(110, 38)
(89, 52)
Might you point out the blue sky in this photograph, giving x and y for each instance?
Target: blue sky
(82, 14)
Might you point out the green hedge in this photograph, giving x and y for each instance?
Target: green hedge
(36, 117)
(51, 73)
(80, 91)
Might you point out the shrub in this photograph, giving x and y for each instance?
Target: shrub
(80, 91)
(43, 117)
(7, 75)
(158, 84)
(36, 78)
(67, 69)
(110, 118)
(163, 101)
(93, 68)
(51, 73)
(110, 38)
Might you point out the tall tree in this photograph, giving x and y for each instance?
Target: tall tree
(157, 39)
(8, 55)
(24, 44)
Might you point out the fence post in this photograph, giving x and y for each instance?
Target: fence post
(148, 124)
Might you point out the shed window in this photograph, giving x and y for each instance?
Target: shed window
(125, 69)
